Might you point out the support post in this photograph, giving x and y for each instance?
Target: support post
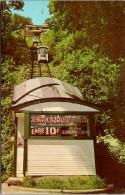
(25, 157)
(93, 136)
(15, 147)
(26, 136)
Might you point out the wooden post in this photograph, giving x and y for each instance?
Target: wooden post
(93, 136)
(26, 136)
(15, 147)
(25, 157)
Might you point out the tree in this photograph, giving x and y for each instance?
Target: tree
(101, 21)
(87, 48)
(11, 43)
(6, 14)
(19, 22)
(86, 45)
(15, 68)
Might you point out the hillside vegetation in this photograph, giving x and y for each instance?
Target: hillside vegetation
(15, 69)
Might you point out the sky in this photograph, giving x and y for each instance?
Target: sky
(33, 9)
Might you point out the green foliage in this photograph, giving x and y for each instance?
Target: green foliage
(14, 183)
(15, 5)
(86, 50)
(7, 120)
(95, 182)
(4, 177)
(101, 21)
(17, 49)
(88, 69)
(115, 147)
(91, 72)
(11, 75)
(28, 182)
(71, 183)
(19, 22)
(6, 17)
(7, 160)
(13, 44)
(8, 75)
(29, 41)
(51, 183)
(110, 165)
(86, 182)
(15, 68)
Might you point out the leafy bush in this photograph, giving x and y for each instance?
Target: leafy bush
(108, 163)
(51, 183)
(11, 75)
(85, 182)
(28, 182)
(14, 183)
(7, 165)
(77, 180)
(4, 177)
(73, 183)
(95, 182)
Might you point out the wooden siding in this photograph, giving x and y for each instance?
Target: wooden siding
(20, 144)
(19, 166)
(59, 106)
(60, 157)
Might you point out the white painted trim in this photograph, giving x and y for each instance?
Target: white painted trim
(20, 115)
(59, 106)
(20, 144)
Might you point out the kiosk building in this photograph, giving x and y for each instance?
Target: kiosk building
(55, 132)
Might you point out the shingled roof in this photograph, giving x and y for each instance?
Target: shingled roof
(44, 88)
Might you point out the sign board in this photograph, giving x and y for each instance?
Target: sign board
(58, 125)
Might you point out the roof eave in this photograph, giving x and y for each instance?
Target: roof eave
(43, 100)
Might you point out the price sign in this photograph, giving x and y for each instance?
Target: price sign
(58, 125)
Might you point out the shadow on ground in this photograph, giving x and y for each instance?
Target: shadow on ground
(109, 168)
